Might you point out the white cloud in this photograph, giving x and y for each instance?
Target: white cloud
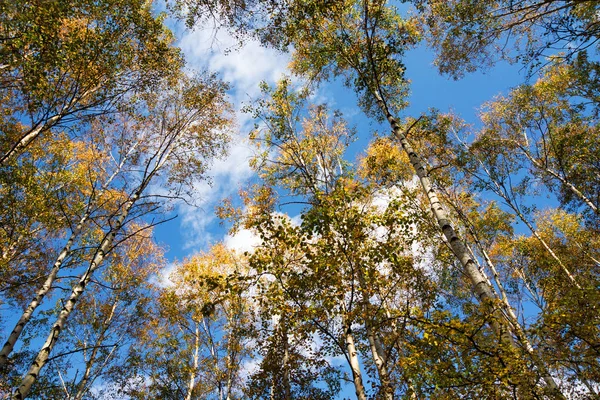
(228, 176)
(243, 66)
(296, 220)
(243, 240)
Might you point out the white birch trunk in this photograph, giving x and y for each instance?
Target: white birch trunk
(286, 366)
(192, 382)
(41, 293)
(562, 180)
(359, 387)
(380, 362)
(481, 288)
(85, 380)
(502, 193)
(30, 136)
(377, 352)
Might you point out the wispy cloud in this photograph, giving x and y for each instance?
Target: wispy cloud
(243, 67)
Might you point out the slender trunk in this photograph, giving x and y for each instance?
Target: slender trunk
(380, 363)
(286, 365)
(483, 291)
(26, 139)
(272, 388)
(41, 293)
(215, 356)
(502, 192)
(195, 363)
(519, 332)
(85, 380)
(411, 392)
(10, 251)
(229, 382)
(514, 325)
(42, 357)
(562, 266)
(516, 328)
(354, 365)
(377, 351)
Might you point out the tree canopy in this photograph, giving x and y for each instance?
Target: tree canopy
(387, 254)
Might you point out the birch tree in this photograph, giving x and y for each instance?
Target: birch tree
(92, 194)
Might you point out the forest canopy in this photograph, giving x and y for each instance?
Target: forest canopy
(385, 253)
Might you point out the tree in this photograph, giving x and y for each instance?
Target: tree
(112, 311)
(87, 193)
(550, 129)
(364, 43)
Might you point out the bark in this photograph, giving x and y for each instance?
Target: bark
(410, 392)
(10, 251)
(501, 191)
(287, 390)
(47, 124)
(562, 266)
(195, 363)
(562, 180)
(64, 253)
(215, 356)
(482, 289)
(380, 362)
(354, 365)
(515, 326)
(377, 351)
(26, 139)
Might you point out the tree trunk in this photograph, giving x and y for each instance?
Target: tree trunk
(380, 362)
(85, 380)
(503, 193)
(26, 139)
(377, 351)
(195, 363)
(287, 390)
(66, 250)
(354, 365)
(562, 180)
(481, 288)
(45, 125)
